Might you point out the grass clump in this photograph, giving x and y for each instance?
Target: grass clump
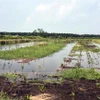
(10, 75)
(78, 73)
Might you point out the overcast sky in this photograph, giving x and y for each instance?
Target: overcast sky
(77, 16)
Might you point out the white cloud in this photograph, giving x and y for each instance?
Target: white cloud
(66, 15)
(42, 8)
(53, 12)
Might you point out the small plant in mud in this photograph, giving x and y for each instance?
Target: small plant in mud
(4, 96)
(39, 67)
(24, 78)
(27, 97)
(51, 76)
(42, 88)
(64, 59)
(3, 67)
(9, 68)
(62, 65)
(33, 71)
(10, 75)
(22, 66)
(61, 80)
(98, 85)
(4, 64)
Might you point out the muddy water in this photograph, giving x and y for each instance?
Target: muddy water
(47, 64)
(15, 46)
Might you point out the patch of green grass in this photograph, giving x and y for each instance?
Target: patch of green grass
(75, 55)
(78, 73)
(32, 52)
(10, 75)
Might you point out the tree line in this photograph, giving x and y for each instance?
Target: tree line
(42, 33)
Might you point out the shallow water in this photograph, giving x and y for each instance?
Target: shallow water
(18, 45)
(98, 45)
(47, 64)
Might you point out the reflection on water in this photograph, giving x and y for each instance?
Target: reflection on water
(15, 46)
(94, 59)
(47, 64)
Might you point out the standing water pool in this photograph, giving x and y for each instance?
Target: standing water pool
(47, 64)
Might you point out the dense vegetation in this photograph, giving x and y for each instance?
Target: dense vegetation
(78, 73)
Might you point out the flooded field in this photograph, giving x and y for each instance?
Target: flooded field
(82, 59)
(47, 64)
(74, 64)
(51, 64)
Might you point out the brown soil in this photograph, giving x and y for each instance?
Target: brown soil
(25, 60)
(82, 89)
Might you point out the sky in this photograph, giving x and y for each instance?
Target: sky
(74, 16)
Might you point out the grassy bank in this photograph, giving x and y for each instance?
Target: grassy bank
(32, 52)
(78, 73)
(96, 40)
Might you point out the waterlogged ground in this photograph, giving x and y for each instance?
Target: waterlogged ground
(94, 60)
(47, 64)
(18, 45)
(86, 60)
(51, 64)
(69, 89)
